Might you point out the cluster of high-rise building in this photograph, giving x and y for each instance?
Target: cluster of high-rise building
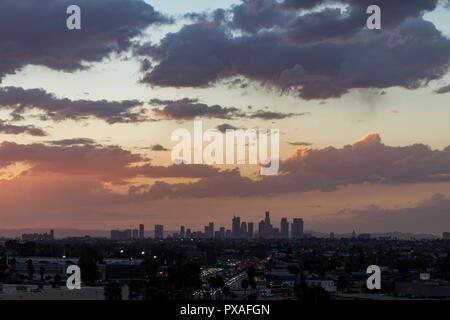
(39, 236)
(128, 234)
(246, 230)
(239, 230)
(267, 231)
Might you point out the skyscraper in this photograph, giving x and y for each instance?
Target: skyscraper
(261, 229)
(244, 230)
(267, 220)
(297, 228)
(211, 230)
(182, 232)
(135, 233)
(159, 231)
(236, 227)
(250, 227)
(284, 234)
(141, 232)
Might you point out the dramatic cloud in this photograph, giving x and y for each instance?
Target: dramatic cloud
(347, 22)
(366, 161)
(35, 32)
(7, 128)
(189, 109)
(442, 90)
(84, 157)
(73, 159)
(408, 53)
(20, 100)
(253, 15)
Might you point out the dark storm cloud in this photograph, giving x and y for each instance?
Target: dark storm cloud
(346, 22)
(34, 32)
(202, 54)
(7, 128)
(253, 15)
(20, 100)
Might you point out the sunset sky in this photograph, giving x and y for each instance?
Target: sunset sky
(86, 115)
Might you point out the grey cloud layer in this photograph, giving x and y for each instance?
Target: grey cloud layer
(35, 32)
(20, 100)
(188, 109)
(7, 128)
(408, 53)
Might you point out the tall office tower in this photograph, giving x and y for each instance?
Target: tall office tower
(135, 233)
(159, 231)
(127, 234)
(222, 233)
(297, 228)
(211, 229)
(331, 235)
(261, 229)
(267, 220)
(268, 231)
(353, 234)
(235, 227)
(188, 233)
(182, 232)
(52, 234)
(141, 232)
(284, 234)
(446, 235)
(206, 232)
(250, 228)
(244, 230)
(228, 234)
